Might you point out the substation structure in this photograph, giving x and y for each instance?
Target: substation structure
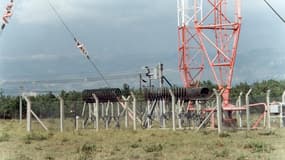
(165, 108)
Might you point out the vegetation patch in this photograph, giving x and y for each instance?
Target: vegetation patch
(269, 133)
(64, 139)
(88, 148)
(4, 137)
(224, 135)
(242, 157)
(22, 157)
(256, 147)
(223, 153)
(49, 157)
(153, 148)
(35, 136)
(134, 145)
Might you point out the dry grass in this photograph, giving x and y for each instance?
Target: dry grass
(115, 144)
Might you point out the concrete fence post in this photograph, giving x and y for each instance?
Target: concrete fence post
(239, 112)
(96, 112)
(134, 111)
(281, 110)
(20, 109)
(28, 113)
(247, 109)
(219, 110)
(173, 109)
(126, 111)
(77, 123)
(268, 109)
(61, 110)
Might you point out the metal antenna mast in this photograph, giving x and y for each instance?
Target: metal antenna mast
(190, 55)
(218, 32)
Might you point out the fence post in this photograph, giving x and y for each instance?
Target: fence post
(126, 110)
(247, 109)
(96, 111)
(61, 105)
(179, 115)
(163, 113)
(76, 123)
(219, 110)
(281, 110)
(239, 112)
(134, 110)
(173, 109)
(148, 114)
(107, 115)
(20, 109)
(268, 109)
(28, 113)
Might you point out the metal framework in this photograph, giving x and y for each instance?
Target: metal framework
(191, 59)
(217, 28)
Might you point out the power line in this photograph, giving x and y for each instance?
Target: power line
(61, 20)
(79, 45)
(281, 18)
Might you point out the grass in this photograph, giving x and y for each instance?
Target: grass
(116, 144)
(4, 137)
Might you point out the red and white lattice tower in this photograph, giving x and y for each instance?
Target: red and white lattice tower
(191, 58)
(217, 27)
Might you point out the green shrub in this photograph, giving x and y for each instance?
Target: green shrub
(153, 148)
(88, 148)
(134, 145)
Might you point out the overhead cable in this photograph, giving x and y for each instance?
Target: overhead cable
(269, 5)
(78, 44)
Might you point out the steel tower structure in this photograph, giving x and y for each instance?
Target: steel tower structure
(217, 25)
(191, 59)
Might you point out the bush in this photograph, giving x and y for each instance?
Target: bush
(153, 148)
(88, 148)
(134, 145)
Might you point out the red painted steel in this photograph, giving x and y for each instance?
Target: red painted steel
(218, 33)
(191, 59)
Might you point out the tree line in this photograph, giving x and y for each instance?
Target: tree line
(47, 105)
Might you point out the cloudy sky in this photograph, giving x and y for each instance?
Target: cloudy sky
(122, 36)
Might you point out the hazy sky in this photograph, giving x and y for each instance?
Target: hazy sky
(124, 35)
